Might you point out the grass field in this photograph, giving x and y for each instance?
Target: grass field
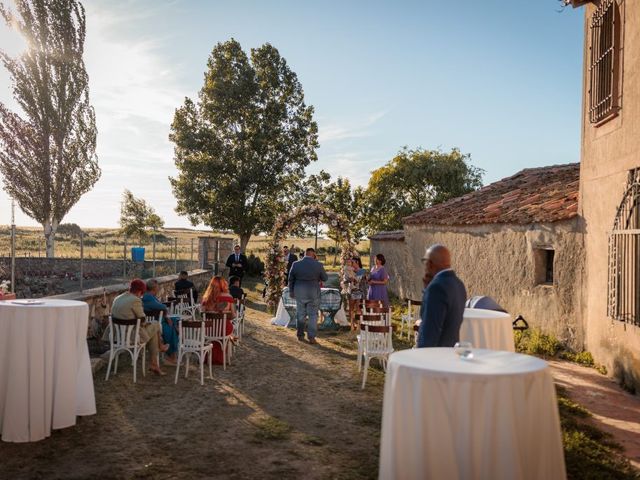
(108, 243)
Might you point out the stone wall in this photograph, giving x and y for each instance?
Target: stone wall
(503, 262)
(395, 254)
(37, 277)
(609, 151)
(100, 299)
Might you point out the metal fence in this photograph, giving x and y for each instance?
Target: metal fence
(88, 259)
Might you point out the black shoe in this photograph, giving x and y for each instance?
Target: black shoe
(301, 339)
(312, 341)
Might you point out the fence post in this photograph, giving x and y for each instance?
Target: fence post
(13, 246)
(81, 261)
(175, 255)
(153, 274)
(191, 262)
(105, 248)
(124, 259)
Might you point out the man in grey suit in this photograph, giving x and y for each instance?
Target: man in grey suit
(304, 285)
(442, 302)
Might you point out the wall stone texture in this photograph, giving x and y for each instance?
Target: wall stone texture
(609, 151)
(100, 299)
(499, 261)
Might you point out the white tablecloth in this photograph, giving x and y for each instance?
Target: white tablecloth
(487, 329)
(492, 417)
(45, 372)
(282, 317)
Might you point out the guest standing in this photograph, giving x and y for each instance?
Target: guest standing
(128, 306)
(442, 301)
(237, 263)
(378, 280)
(289, 258)
(304, 286)
(153, 307)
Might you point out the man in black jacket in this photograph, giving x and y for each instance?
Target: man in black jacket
(237, 263)
(183, 284)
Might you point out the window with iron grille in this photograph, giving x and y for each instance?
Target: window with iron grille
(624, 256)
(603, 101)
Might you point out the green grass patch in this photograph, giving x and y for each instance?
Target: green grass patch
(589, 452)
(270, 428)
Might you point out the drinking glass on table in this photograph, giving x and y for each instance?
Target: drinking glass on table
(463, 350)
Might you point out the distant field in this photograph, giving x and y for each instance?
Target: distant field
(108, 243)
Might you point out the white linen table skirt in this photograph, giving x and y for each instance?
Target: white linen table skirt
(491, 417)
(45, 371)
(282, 316)
(487, 329)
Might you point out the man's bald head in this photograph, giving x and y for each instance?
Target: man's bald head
(437, 258)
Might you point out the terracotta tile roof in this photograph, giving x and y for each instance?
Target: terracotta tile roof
(397, 235)
(534, 195)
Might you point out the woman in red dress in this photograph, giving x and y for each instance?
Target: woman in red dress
(218, 299)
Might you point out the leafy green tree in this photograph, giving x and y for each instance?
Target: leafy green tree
(137, 218)
(349, 202)
(47, 153)
(414, 180)
(242, 148)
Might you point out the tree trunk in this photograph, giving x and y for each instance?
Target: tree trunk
(244, 241)
(335, 256)
(50, 229)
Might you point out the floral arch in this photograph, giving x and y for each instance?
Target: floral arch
(276, 266)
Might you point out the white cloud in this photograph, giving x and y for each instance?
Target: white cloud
(359, 128)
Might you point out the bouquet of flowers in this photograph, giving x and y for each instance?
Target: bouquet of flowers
(4, 287)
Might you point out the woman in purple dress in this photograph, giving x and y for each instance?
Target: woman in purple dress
(378, 280)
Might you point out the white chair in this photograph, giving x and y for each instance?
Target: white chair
(367, 319)
(158, 320)
(185, 298)
(377, 344)
(216, 331)
(193, 342)
(124, 336)
(409, 318)
(238, 322)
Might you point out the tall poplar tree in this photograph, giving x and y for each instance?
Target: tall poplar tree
(47, 151)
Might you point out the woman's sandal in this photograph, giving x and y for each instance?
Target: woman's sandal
(158, 372)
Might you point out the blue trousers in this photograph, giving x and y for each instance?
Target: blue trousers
(307, 307)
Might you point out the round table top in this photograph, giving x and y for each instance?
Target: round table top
(481, 313)
(438, 361)
(42, 302)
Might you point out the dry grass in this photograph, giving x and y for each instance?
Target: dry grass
(108, 243)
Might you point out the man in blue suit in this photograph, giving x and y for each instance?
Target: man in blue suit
(442, 301)
(304, 285)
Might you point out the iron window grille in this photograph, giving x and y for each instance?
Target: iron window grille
(603, 63)
(624, 256)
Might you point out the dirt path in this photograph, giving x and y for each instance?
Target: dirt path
(614, 410)
(283, 409)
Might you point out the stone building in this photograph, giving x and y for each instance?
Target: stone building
(610, 184)
(517, 240)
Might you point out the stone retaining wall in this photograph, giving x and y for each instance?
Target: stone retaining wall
(100, 299)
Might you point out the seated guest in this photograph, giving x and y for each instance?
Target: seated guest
(128, 306)
(152, 307)
(234, 288)
(217, 298)
(184, 284)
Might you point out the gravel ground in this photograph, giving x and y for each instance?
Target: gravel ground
(283, 409)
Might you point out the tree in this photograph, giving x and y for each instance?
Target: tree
(414, 180)
(48, 155)
(242, 148)
(137, 218)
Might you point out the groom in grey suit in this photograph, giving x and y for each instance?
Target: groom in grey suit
(304, 285)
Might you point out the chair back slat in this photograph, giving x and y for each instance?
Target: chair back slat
(215, 324)
(124, 332)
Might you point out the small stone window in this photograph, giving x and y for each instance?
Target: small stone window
(544, 259)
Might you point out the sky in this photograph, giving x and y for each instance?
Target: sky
(499, 80)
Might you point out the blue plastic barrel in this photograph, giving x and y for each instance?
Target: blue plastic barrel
(137, 254)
